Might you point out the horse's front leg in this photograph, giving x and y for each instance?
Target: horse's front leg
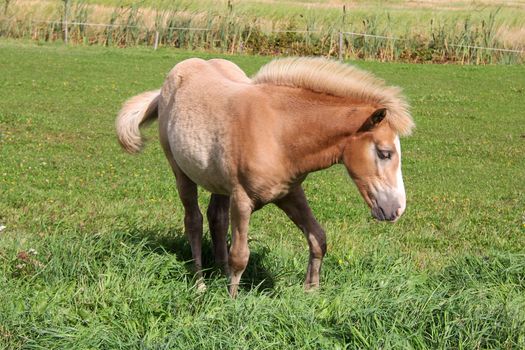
(295, 205)
(240, 211)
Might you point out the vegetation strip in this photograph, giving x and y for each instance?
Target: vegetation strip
(471, 35)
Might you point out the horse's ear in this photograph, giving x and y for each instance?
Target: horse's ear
(378, 116)
(374, 119)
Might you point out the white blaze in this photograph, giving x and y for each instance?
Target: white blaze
(399, 180)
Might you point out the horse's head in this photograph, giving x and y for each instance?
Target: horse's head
(372, 157)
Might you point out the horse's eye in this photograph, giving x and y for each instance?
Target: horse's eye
(382, 154)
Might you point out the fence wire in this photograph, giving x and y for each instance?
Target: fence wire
(366, 35)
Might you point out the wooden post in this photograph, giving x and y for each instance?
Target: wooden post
(340, 46)
(66, 31)
(343, 27)
(156, 40)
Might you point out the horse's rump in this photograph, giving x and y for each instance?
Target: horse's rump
(199, 122)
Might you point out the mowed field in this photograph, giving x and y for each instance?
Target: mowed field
(94, 255)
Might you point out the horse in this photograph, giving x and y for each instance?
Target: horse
(253, 141)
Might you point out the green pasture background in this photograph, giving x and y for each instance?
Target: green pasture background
(94, 256)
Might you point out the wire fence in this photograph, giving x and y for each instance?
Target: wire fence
(65, 24)
(454, 45)
(341, 42)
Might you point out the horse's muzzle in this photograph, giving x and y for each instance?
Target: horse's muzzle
(388, 212)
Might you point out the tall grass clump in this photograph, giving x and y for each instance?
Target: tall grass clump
(238, 29)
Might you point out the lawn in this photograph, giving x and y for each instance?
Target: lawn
(94, 255)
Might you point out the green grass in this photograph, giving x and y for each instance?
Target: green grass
(110, 265)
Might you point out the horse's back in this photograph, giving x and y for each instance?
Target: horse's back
(196, 109)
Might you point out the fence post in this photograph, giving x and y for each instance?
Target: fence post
(343, 26)
(156, 40)
(66, 31)
(340, 46)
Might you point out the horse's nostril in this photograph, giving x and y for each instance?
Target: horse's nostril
(382, 213)
(391, 215)
(379, 213)
(397, 214)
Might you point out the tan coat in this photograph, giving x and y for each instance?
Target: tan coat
(253, 141)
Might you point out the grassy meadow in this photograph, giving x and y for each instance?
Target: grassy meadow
(93, 254)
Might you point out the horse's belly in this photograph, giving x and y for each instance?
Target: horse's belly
(200, 153)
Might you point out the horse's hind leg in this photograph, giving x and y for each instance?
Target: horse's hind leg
(188, 195)
(192, 216)
(192, 222)
(218, 219)
(296, 207)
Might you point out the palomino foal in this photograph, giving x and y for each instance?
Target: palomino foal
(253, 141)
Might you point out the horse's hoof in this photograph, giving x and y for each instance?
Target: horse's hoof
(201, 286)
(311, 288)
(233, 290)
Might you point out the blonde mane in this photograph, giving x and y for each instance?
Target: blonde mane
(338, 79)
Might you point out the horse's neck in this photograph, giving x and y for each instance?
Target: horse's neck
(316, 128)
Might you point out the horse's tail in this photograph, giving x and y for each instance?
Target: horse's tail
(133, 114)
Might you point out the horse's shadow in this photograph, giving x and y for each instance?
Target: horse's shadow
(255, 277)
